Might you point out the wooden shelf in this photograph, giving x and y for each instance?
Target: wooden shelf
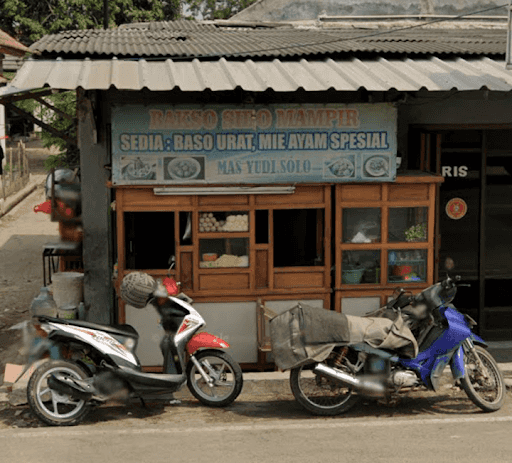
(223, 234)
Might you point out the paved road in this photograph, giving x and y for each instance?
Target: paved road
(478, 437)
(421, 427)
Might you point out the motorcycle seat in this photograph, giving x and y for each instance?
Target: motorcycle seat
(121, 330)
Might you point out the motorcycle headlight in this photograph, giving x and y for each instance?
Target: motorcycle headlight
(130, 344)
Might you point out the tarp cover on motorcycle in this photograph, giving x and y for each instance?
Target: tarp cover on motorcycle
(305, 334)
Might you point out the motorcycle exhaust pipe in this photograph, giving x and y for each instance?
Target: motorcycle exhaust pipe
(372, 387)
(66, 386)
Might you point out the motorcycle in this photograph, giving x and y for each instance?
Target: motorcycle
(91, 364)
(444, 337)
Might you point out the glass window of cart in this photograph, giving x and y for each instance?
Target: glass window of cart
(360, 267)
(224, 252)
(223, 222)
(407, 265)
(407, 224)
(361, 225)
(298, 237)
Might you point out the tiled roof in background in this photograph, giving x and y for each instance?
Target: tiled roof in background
(10, 46)
(189, 39)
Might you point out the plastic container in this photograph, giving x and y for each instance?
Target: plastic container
(44, 304)
(81, 311)
(352, 276)
(67, 312)
(68, 288)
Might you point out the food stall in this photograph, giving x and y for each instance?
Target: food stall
(264, 206)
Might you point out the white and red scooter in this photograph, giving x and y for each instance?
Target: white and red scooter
(92, 363)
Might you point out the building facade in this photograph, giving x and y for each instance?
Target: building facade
(284, 165)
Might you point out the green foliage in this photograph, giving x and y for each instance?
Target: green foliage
(215, 9)
(29, 20)
(416, 232)
(65, 102)
(55, 161)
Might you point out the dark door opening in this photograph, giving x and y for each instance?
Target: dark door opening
(474, 219)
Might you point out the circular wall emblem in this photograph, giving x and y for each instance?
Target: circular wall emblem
(456, 208)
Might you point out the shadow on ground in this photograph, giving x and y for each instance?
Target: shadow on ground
(448, 403)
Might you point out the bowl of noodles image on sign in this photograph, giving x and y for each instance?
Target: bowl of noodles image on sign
(341, 167)
(183, 169)
(138, 169)
(376, 166)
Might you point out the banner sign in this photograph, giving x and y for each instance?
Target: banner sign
(164, 144)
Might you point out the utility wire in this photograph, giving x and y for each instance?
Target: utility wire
(325, 42)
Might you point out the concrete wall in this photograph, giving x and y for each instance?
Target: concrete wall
(96, 199)
(295, 10)
(463, 109)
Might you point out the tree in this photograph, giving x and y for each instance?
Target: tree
(29, 20)
(214, 9)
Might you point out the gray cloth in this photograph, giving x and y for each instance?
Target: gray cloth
(306, 334)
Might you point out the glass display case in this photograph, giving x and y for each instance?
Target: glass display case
(221, 222)
(224, 252)
(407, 224)
(361, 267)
(407, 265)
(361, 225)
(384, 237)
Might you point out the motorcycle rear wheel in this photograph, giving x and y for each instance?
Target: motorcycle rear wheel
(50, 406)
(486, 393)
(225, 373)
(320, 395)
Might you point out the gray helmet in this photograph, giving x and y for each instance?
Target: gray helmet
(137, 288)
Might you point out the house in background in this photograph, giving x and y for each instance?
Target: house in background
(356, 10)
(10, 49)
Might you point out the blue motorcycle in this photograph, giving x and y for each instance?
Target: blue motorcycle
(332, 377)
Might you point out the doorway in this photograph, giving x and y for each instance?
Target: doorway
(474, 219)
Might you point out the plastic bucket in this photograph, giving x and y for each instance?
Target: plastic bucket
(67, 312)
(68, 288)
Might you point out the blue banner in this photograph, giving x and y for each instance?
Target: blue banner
(164, 144)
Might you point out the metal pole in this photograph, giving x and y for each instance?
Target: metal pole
(481, 228)
(105, 14)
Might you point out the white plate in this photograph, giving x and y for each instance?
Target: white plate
(377, 166)
(184, 168)
(342, 168)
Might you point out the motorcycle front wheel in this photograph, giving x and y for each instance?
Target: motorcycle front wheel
(224, 375)
(320, 395)
(486, 389)
(50, 406)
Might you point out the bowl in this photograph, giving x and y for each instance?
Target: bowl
(209, 256)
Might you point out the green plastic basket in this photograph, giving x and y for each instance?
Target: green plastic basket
(352, 276)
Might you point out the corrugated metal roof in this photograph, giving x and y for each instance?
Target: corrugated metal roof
(380, 74)
(206, 41)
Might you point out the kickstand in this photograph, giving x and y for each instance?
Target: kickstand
(142, 402)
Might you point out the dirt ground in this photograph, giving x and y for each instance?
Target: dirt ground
(449, 402)
(23, 234)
